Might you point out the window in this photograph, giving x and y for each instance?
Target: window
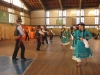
(96, 16)
(92, 26)
(60, 13)
(17, 3)
(48, 26)
(10, 10)
(77, 20)
(47, 21)
(60, 26)
(96, 12)
(82, 12)
(64, 13)
(64, 21)
(77, 12)
(82, 19)
(96, 20)
(56, 26)
(47, 13)
(87, 26)
(51, 26)
(7, 1)
(11, 18)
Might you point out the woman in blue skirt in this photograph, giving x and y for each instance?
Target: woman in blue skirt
(82, 49)
(65, 37)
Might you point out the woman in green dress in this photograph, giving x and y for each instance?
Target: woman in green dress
(65, 37)
(74, 40)
(81, 51)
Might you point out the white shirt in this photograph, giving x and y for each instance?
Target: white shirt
(20, 29)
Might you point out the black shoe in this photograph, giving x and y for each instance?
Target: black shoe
(14, 58)
(23, 58)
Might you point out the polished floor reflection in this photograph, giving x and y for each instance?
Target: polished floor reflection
(13, 67)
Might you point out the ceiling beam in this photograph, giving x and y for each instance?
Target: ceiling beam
(42, 4)
(80, 4)
(61, 4)
(25, 4)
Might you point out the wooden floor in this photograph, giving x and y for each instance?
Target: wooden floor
(54, 59)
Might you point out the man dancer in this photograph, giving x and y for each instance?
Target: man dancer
(19, 33)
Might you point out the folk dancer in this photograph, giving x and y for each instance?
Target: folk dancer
(74, 40)
(45, 31)
(19, 33)
(81, 50)
(39, 35)
(51, 34)
(65, 37)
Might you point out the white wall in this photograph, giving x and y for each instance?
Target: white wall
(38, 13)
(27, 21)
(89, 14)
(38, 17)
(53, 21)
(53, 13)
(70, 12)
(38, 21)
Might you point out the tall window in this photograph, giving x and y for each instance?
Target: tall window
(96, 16)
(17, 3)
(11, 18)
(47, 13)
(77, 12)
(47, 19)
(78, 19)
(82, 15)
(64, 21)
(60, 13)
(10, 10)
(7, 1)
(64, 13)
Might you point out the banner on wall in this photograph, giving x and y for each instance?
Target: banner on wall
(4, 17)
(59, 22)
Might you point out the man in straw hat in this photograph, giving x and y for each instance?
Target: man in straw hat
(18, 37)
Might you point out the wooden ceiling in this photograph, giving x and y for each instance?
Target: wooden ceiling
(60, 4)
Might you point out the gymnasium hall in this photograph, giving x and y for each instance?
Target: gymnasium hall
(41, 46)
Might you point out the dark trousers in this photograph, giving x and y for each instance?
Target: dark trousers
(17, 48)
(27, 37)
(51, 37)
(45, 38)
(38, 44)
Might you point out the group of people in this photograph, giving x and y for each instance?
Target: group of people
(41, 35)
(79, 44)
